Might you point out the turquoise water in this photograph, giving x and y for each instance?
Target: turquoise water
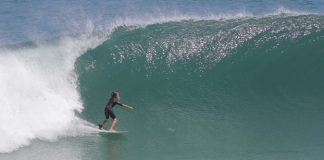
(205, 85)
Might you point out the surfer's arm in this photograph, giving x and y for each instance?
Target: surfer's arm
(126, 106)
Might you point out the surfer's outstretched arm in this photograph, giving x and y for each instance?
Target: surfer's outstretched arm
(126, 106)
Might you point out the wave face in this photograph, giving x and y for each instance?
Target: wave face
(236, 86)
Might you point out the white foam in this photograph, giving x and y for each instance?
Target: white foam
(38, 92)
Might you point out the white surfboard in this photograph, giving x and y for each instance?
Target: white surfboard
(112, 132)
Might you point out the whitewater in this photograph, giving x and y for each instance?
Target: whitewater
(40, 91)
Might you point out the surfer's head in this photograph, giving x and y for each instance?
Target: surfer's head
(115, 94)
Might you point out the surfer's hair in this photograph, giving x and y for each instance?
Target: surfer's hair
(114, 94)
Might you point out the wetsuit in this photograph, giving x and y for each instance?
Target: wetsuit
(108, 110)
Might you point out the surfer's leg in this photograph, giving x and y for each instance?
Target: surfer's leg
(113, 116)
(113, 125)
(103, 123)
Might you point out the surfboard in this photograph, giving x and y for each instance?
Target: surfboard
(112, 132)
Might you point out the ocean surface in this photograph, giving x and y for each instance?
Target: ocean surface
(209, 79)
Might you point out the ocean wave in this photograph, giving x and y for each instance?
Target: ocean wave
(41, 84)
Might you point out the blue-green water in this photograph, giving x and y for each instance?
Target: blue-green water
(206, 83)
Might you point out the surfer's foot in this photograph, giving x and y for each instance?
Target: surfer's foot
(100, 126)
(111, 130)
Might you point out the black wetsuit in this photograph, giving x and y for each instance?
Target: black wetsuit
(108, 110)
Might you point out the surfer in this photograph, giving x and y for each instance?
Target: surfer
(108, 110)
